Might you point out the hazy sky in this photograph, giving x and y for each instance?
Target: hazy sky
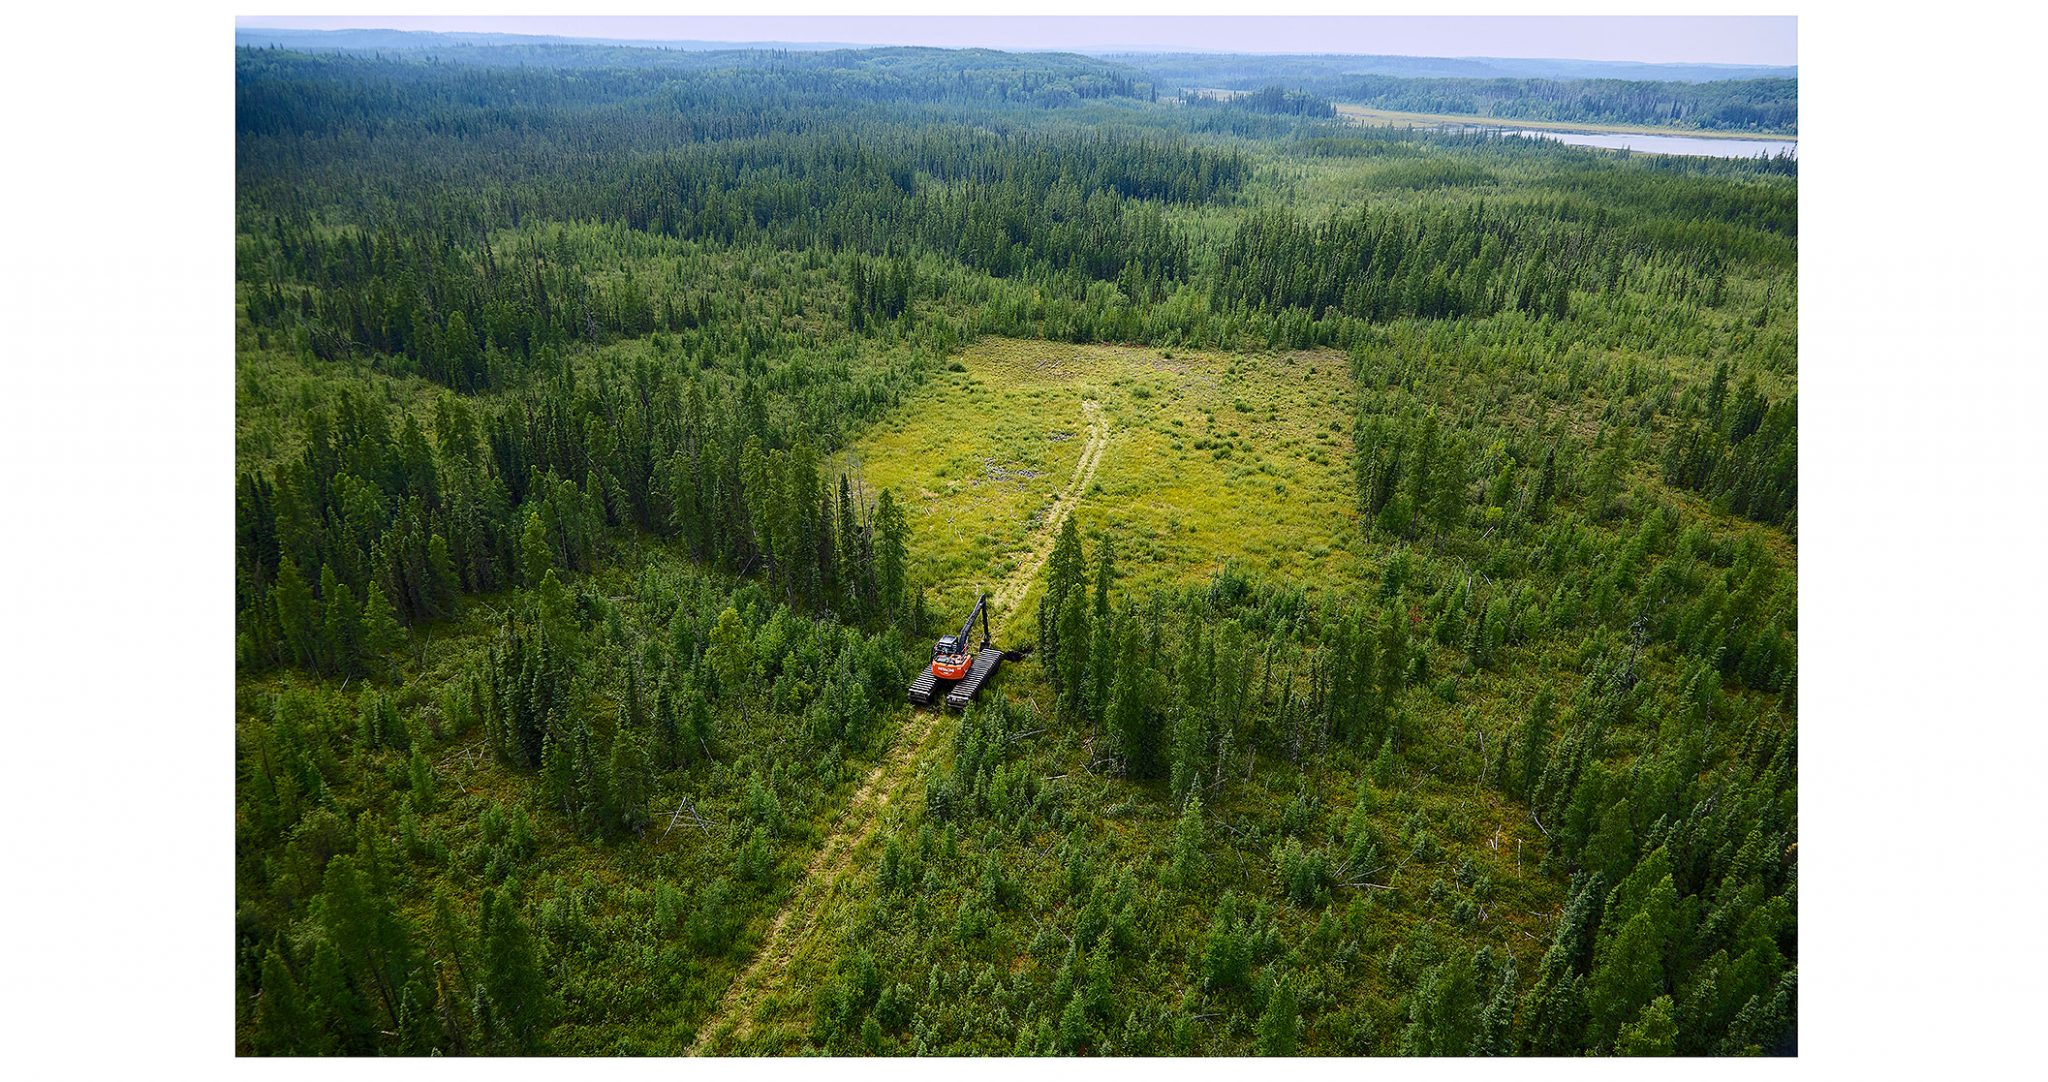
(1706, 39)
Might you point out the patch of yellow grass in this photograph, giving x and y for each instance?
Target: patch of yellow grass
(1211, 458)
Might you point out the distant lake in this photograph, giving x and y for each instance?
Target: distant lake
(1656, 144)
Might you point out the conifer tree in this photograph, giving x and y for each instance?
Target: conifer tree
(536, 554)
(892, 559)
(382, 635)
(1443, 1012)
(1544, 489)
(1496, 1023)
(515, 1002)
(1133, 715)
(284, 1022)
(852, 567)
(593, 782)
(444, 585)
(1280, 1023)
(344, 626)
(1104, 633)
(1653, 1033)
(339, 1006)
(1603, 485)
(665, 750)
(298, 614)
(731, 656)
(369, 936)
(1190, 731)
(1078, 652)
(629, 770)
(700, 718)
(1422, 474)
(1554, 1010)
(558, 772)
(1627, 976)
(1065, 569)
(1105, 574)
(1448, 497)
(419, 1031)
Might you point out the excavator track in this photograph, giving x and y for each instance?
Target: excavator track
(985, 663)
(921, 689)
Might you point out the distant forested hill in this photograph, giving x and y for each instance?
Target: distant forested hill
(1244, 72)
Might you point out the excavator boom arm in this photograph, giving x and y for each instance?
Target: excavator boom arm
(967, 629)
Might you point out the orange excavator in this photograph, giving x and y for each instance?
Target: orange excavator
(956, 665)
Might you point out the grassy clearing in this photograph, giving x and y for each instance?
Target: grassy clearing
(1212, 459)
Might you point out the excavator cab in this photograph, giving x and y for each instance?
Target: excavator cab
(949, 658)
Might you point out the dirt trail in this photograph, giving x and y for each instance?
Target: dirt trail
(732, 1020)
(1012, 590)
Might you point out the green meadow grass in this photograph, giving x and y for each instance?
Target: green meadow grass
(1211, 459)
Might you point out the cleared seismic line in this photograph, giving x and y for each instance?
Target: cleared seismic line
(1012, 590)
(732, 1020)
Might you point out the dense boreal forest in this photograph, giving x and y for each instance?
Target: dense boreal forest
(1249, 71)
(568, 626)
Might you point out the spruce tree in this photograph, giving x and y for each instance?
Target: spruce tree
(1105, 574)
(1653, 1033)
(1077, 652)
(1443, 1013)
(1554, 1011)
(444, 585)
(593, 780)
(381, 633)
(892, 560)
(700, 718)
(515, 999)
(1065, 570)
(337, 1004)
(419, 1030)
(1448, 498)
(298, 614)
(367, 933)
(1496, 1023)
(1627, 976)
(629, 771)
(665, 739)
(1603, 485)
(731, 656)
(284, 1023)
(1280, 1023)
(1133, 714)
(536, 553)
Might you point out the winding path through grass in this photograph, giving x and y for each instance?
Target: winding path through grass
(727, 1027)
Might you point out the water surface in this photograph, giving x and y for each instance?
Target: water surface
(1694, 145)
